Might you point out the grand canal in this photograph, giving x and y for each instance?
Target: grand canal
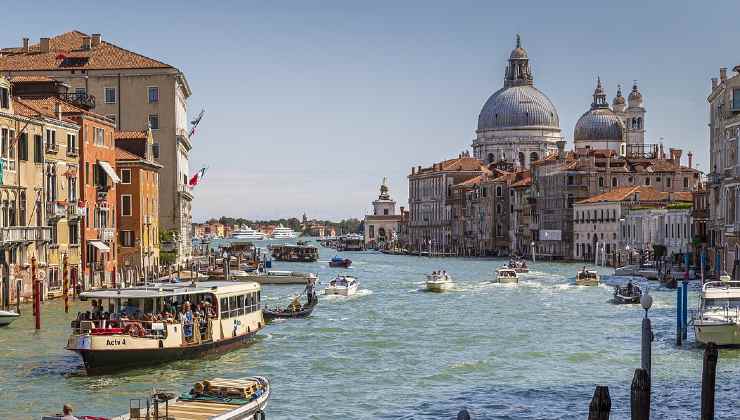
(532, 351)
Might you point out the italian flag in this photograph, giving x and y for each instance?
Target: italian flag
(198, 177)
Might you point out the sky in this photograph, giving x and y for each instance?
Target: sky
(310, 104)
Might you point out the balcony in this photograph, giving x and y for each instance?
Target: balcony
(74, 211)
(73, 152)
(185, 191)
(54, 210)
(184, 138)
(80, 99)
(17, 234)
(52, 148)
(107, 234)
(713, 178)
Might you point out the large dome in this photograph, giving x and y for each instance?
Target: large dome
(599, 124)
(518, 107)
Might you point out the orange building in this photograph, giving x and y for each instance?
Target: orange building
(138, 202)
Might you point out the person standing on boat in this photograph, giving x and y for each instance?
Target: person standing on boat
(186, 317)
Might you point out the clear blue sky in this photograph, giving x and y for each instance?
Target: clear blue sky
(309, 104)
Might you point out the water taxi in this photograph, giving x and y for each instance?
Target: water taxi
(629, 294)
(439, 282)
(587, 278)
(343, 286)
(718, 318)
(6, 317)
(163, 322)
(506, 275)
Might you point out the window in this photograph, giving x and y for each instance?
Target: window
(51, 139)
(127, 238)
(647, 180)
(126, 176)
(498, 191)
(153, 93)
(110, 95)
(686, 182)
(38, 152)
(736, 99)
(601, 181)
(72, 188)
(224, 307)
(22, 208)
(668, 182)
(155, 150)
(23, 147)
(74, 234)
(54, 232)
(4, 98)
(126, 205)
(71, 144)
(99, 136)
(154, 121)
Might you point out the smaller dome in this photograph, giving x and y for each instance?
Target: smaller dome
(619, 99)
(635, 97)
(599, 124)
(518, 53)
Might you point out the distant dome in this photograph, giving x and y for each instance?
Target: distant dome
(635, 97)
(599, 124)
(619, 99)
(519, 107)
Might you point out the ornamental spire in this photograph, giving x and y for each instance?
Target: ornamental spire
(599, 96)
(518, 72)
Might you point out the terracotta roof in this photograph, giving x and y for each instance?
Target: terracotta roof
(122, 154)
(131, 135)
(66, 52)
(34, 108)
(472, 181)
(47, 104)
(645, 194)
(30, 79)
(463, 164)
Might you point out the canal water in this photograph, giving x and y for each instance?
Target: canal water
(529, 351)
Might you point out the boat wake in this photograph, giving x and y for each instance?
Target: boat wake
(358, 294)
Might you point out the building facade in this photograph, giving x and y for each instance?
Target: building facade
(381, 227)
(134, 91)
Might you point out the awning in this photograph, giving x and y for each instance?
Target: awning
(110, 171)
(100, 245)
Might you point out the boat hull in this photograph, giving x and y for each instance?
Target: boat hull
(267, 279)
(340, 264)
(303, 313)
(6, 320)
(587, 282)
(341, 291)
(102, 361)
(440, 286)
(721, 334)
(507, 280)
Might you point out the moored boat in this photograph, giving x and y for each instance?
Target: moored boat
(163, 322)
(718, 317)
(506, 275)
(7, 317)
(439, 282)
(587, 278)
(343, 286)
(340, 262)
(629, 294)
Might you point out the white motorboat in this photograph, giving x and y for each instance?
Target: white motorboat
(718, 317)
(343, 286)
(587, 278)
(6, 317)
(245, 232)
(627, 270)
(507, 275)
(439, 282)
(282, 232)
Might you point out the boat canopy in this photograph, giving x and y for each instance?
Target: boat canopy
(159, 290)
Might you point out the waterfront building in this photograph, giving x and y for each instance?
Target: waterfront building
(132, 90)
(199, 230)
(138, 201)
(430, 221)
(470, 231)
(723, 184)
(518, 123)
(700, 221)
(381, 227)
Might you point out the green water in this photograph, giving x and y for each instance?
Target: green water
(533, 351)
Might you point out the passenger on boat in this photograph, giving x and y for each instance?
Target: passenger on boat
(186, 317)
(67, 413)
(97, 310)
(629, 287)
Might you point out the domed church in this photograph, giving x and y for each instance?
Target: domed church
(518, 123)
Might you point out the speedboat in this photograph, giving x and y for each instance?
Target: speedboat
(587, 278)
(520, 266)
(6, 317)
(340, 262)
(342, 286)
(439, 282)
(629, 294)
(718, 318)
(506, 275)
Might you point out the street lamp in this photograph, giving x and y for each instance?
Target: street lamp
(533, 257)
(647, 334)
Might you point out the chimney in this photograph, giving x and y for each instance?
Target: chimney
(723, 74)
(44, 45)
(676, 156)
(691, 156)
(714, 83)
(25, 44)
(662, 154)
(58, 110)
(95, 40)
(561, 149)
(86, 43)
(413, 170)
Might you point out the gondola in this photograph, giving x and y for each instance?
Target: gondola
(303, 312)
(624, 296)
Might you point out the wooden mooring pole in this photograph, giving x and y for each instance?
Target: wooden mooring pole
(65, 277)
(708, 378)
(37, 290)
(640, 395)
(601, 404)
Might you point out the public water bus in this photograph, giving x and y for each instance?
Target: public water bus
(718, 318)
(163, 322)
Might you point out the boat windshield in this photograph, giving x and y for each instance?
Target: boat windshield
(722, 303)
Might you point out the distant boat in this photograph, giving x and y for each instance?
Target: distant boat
(627, 294)
(587, 278)
(506, 275)
(282, 232)
(245, 232)
(338, 261)
(439, 282)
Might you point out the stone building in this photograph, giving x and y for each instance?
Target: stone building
(518, 123)
(381, 227)
(723, 183)
(134, 91)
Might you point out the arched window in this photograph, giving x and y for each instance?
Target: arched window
(521, 159)
(686, 182)
(22, 209)
(601, 181)
(498, 191)
(614, 181)
(533, 157)
(639, 122)
(634, 123)
(647, 180)
(490, 158)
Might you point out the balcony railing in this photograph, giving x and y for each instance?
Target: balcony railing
(185, 190)
(107, 234)
(52, 148)
(72, 152)
(82, 99)
(25, 234)
(54, 210)
(713, 178)
(74, 211)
